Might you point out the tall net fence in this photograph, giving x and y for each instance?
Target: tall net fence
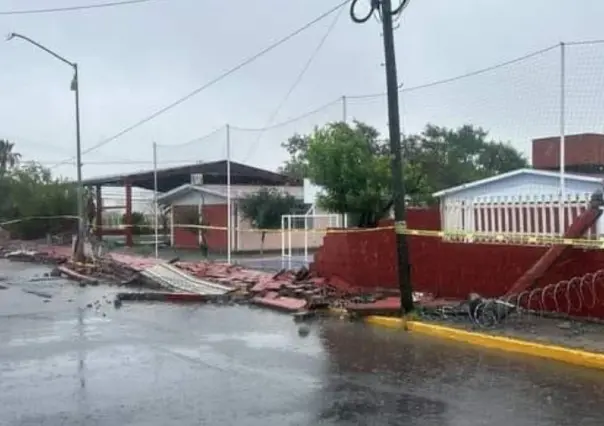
(262, 148)
(515, 102)
(206, 148)
(584, 87)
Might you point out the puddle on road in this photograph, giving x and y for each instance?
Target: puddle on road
(277, 341)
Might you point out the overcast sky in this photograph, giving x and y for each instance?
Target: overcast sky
(136, 59)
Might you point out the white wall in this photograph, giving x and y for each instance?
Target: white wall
(195, 198)
(532, 191)
(311, 191)
(525, 184)
(238, 191)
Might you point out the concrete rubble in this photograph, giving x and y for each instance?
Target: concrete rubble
(178, 281)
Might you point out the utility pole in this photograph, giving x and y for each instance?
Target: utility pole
(75, 87)
(385, 11)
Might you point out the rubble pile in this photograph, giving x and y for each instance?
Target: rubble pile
(290, 291)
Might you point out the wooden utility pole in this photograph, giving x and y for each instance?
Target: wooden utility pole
(385, 11)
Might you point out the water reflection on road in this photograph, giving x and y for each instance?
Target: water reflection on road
(63, 363)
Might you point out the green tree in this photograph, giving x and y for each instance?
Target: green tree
(265, 208)
(139, 223)
(297, 165)
(8, 158)
(450, 157)
(30, 195)
(347, 163)
(353, 165)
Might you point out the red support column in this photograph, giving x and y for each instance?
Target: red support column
(99, 212)
(129, 240)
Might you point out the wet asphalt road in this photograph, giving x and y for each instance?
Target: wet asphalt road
(62, 363)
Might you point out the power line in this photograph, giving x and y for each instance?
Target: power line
(198, 139)
(289, 120)
(214, 81)
(584, 42)
(406, 89)
(112, 163)
(73, 8)
(374, 95)
(297, 81)
(461, 76)
(21, 142)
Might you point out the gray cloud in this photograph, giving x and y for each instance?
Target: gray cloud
(135, 60)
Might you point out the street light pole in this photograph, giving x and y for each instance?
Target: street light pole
(75, 86)
(384, 9)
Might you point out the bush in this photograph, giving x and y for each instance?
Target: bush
(140, 224)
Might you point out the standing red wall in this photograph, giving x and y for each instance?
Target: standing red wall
(448, 269)
(214, 216)
(185, 238)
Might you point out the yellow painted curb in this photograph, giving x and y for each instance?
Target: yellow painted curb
(552, 352)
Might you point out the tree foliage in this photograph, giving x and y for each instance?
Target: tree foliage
(265, 208)
(353, 164)
(451, 157)
(138, 221)
(29, 191)
(347, 162)
(297, 165)
(8, 158)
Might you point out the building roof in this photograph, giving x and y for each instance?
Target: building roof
(213, 172)
(519, 172)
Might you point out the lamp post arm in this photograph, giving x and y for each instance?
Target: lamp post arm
(40, 46)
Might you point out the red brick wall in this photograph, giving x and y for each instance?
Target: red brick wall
(368, 260)
(185, 238)
(214, 215)
(580, 149)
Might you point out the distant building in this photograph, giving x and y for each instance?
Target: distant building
(208, 202)
(528, 201)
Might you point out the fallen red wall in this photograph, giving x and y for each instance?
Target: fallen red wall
(448, 269)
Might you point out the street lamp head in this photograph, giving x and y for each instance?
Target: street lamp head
(10, 36)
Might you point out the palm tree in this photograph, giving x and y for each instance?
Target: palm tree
(8, 158)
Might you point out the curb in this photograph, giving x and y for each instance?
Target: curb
(552, 352)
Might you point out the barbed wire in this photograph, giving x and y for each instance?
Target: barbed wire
(566, 297)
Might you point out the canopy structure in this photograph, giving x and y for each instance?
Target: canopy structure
(174, 177)
(213, 173)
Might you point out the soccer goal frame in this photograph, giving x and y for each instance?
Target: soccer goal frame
(288, 229)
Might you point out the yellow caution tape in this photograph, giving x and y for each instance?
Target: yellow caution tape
(399, 228)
